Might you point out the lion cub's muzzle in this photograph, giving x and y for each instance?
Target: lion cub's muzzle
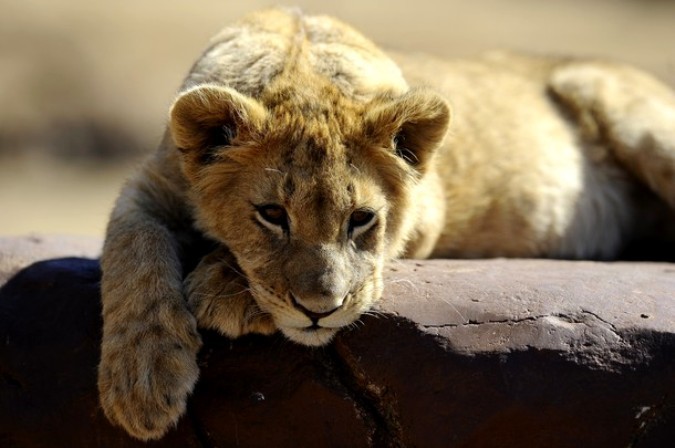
(323, 294)
(319, 286)
(315, 316)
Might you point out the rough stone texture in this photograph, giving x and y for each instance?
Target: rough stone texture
(490, 353)
(20, 251)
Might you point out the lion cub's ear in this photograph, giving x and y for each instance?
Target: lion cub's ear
(415, 122)
(205, 119)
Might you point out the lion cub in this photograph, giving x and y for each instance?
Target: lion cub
(299, 158)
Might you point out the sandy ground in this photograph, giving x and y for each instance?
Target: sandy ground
(119, 63)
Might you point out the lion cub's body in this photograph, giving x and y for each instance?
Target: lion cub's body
(305, 158)
(531, 168)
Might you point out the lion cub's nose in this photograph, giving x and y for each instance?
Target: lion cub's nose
(318, 305)
(318, 293)
(313, 315)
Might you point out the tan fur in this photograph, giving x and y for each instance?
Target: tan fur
(544, 157)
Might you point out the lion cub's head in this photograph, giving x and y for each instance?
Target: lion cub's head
(309, 189)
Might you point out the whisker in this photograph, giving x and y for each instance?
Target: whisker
(409, 285)
(454, 308)
(219, 293)
(232, 268)
(396, 262)
(255, 313)
(356, 325)
(374, 314)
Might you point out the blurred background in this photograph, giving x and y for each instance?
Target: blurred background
(85, 85)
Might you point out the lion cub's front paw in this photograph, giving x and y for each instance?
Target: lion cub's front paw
(146, 373)
(219, 296)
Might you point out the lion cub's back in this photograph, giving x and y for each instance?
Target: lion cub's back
(265, 45)
(519, 178)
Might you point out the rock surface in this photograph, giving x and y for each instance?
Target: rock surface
(486, 353)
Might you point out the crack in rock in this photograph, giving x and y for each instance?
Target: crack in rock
(583, 337)
(200, 433)
(374, 398)
(472, 322)
(649, 417)
(571, 318)
(336, 375)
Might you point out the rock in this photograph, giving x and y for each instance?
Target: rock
(20, 251)
(480, 353)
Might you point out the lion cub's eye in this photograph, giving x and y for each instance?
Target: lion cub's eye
(274, 215)
(360, 221)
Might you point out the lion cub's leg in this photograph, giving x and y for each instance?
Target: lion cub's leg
(150, 341)
(219, 297)
(631, 112)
